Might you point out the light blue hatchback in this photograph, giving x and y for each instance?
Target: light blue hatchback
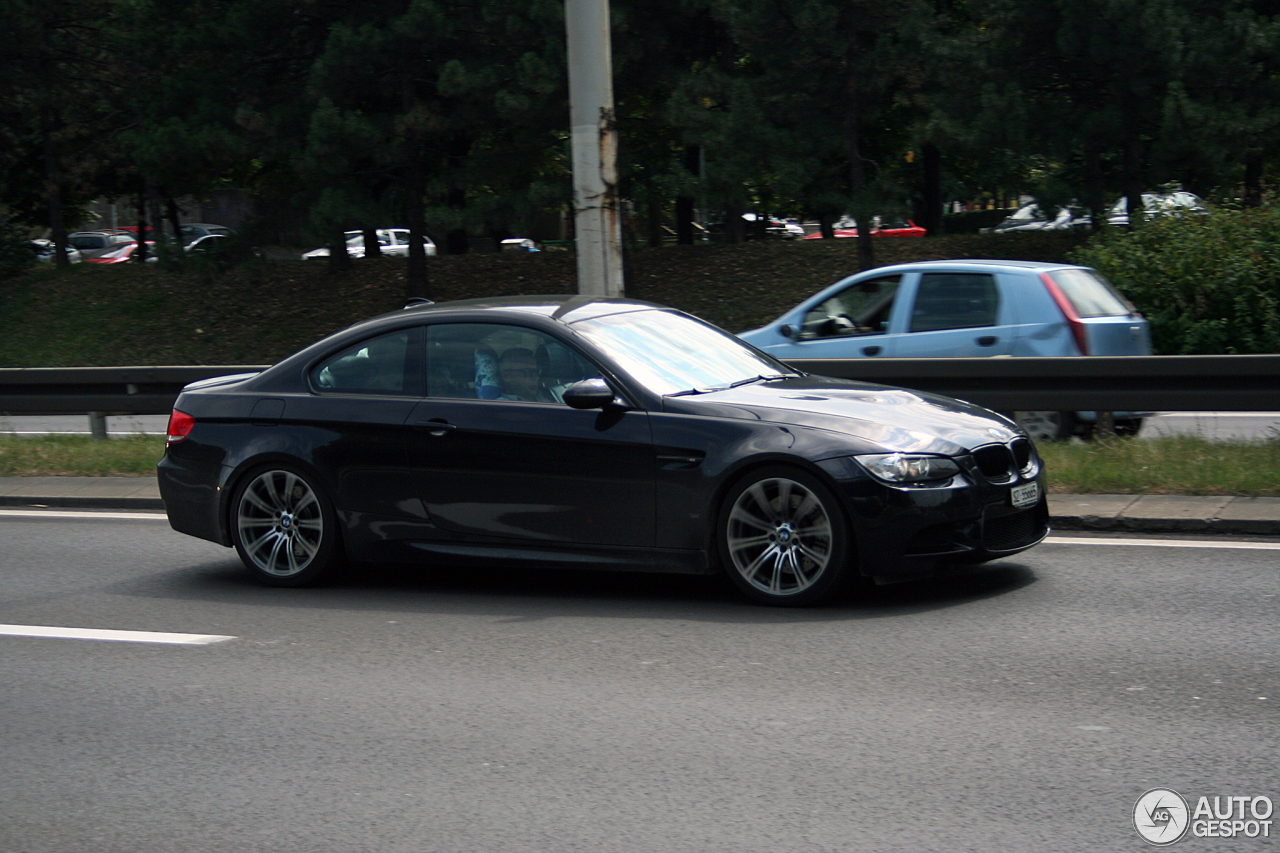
(968, 308)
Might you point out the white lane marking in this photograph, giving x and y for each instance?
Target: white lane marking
(1165, 543)
(112, 636)
(54, 513)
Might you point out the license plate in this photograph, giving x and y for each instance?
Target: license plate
(1027, 495)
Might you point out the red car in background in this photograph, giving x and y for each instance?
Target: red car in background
(123, 254)
(891, 228)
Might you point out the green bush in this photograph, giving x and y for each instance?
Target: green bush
(16, 255)
(1208, 284)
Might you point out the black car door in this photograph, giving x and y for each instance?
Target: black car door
(526, 466)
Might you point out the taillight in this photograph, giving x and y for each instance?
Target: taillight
(180, 424)
(1068, 312)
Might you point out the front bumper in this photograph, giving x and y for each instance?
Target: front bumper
(907, 532)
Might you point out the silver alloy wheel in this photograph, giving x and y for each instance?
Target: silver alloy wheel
(280, 523)
(779, 537)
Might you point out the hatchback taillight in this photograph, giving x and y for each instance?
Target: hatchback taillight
(1074, 323)
(180, 424)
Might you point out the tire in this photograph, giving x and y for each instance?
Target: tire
(284, 527)
(1046, 426)
(783, 538)
(1128, 427)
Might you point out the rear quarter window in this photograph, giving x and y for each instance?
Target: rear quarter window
(1091, 294)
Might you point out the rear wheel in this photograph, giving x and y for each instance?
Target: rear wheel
(1046, 426)
(284, 528)
(783, 538)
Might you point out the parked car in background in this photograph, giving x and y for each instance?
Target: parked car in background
(788, 229)
(1030, 217)
(391, 241)
(882, 227)
(91, 244)
(45, 249)
(968, 308)
(603, 433)
(193, 231)
(1158, 204)
(123, 254)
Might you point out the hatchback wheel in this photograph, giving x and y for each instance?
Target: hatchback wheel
(783, 538)
(284, 528)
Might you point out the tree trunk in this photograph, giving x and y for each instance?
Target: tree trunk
(655, 223)
(931, 201)
(140, 253)
(417, 282)
(686, 206)
(171, 208)
(339, 260)
(1253, 186)
(53, 189)
(372, 248)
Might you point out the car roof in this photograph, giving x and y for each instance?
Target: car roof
(564, 307)
(974, 265)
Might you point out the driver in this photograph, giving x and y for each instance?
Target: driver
(521, 380)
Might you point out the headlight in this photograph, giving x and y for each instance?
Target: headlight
(899, 468)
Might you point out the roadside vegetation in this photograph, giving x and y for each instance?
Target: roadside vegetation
(1170, 465)
(1208, 284)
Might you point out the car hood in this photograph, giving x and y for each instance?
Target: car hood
(895, 419)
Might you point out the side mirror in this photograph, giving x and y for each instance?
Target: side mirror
(787, 331)
(589, 394)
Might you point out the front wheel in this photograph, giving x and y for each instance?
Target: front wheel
(783, 538)
(284, 528)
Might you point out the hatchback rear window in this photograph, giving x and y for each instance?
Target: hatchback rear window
(1090, 294)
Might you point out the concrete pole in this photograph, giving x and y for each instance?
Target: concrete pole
(597, 223)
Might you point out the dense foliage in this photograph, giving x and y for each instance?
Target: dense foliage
(451, 117)
(1208, 284)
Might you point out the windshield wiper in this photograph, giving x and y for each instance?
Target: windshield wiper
(763, 378)
(749, 380)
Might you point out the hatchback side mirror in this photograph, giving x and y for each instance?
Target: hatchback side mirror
(589, 394)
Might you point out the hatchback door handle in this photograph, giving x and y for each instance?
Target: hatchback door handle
(987, 340)
(871, 350)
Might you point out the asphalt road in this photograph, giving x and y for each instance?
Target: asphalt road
(1025, 707)
(1217, 426)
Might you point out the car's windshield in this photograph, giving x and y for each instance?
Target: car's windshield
(671, 353)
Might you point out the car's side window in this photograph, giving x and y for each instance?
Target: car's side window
(389, 364)
(489, 361)
(861, 309)
(955, 301)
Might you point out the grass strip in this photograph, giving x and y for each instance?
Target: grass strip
(1169, 465)
(80, 456)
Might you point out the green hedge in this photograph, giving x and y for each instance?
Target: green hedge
(1208, 284)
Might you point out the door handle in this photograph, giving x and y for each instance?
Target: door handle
(437, 426)
(871, 350)
(987, 340)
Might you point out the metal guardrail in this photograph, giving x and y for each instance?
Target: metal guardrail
(1151, 383)
(1240, 383)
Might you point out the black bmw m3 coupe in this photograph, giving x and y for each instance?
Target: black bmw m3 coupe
(590, 432)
